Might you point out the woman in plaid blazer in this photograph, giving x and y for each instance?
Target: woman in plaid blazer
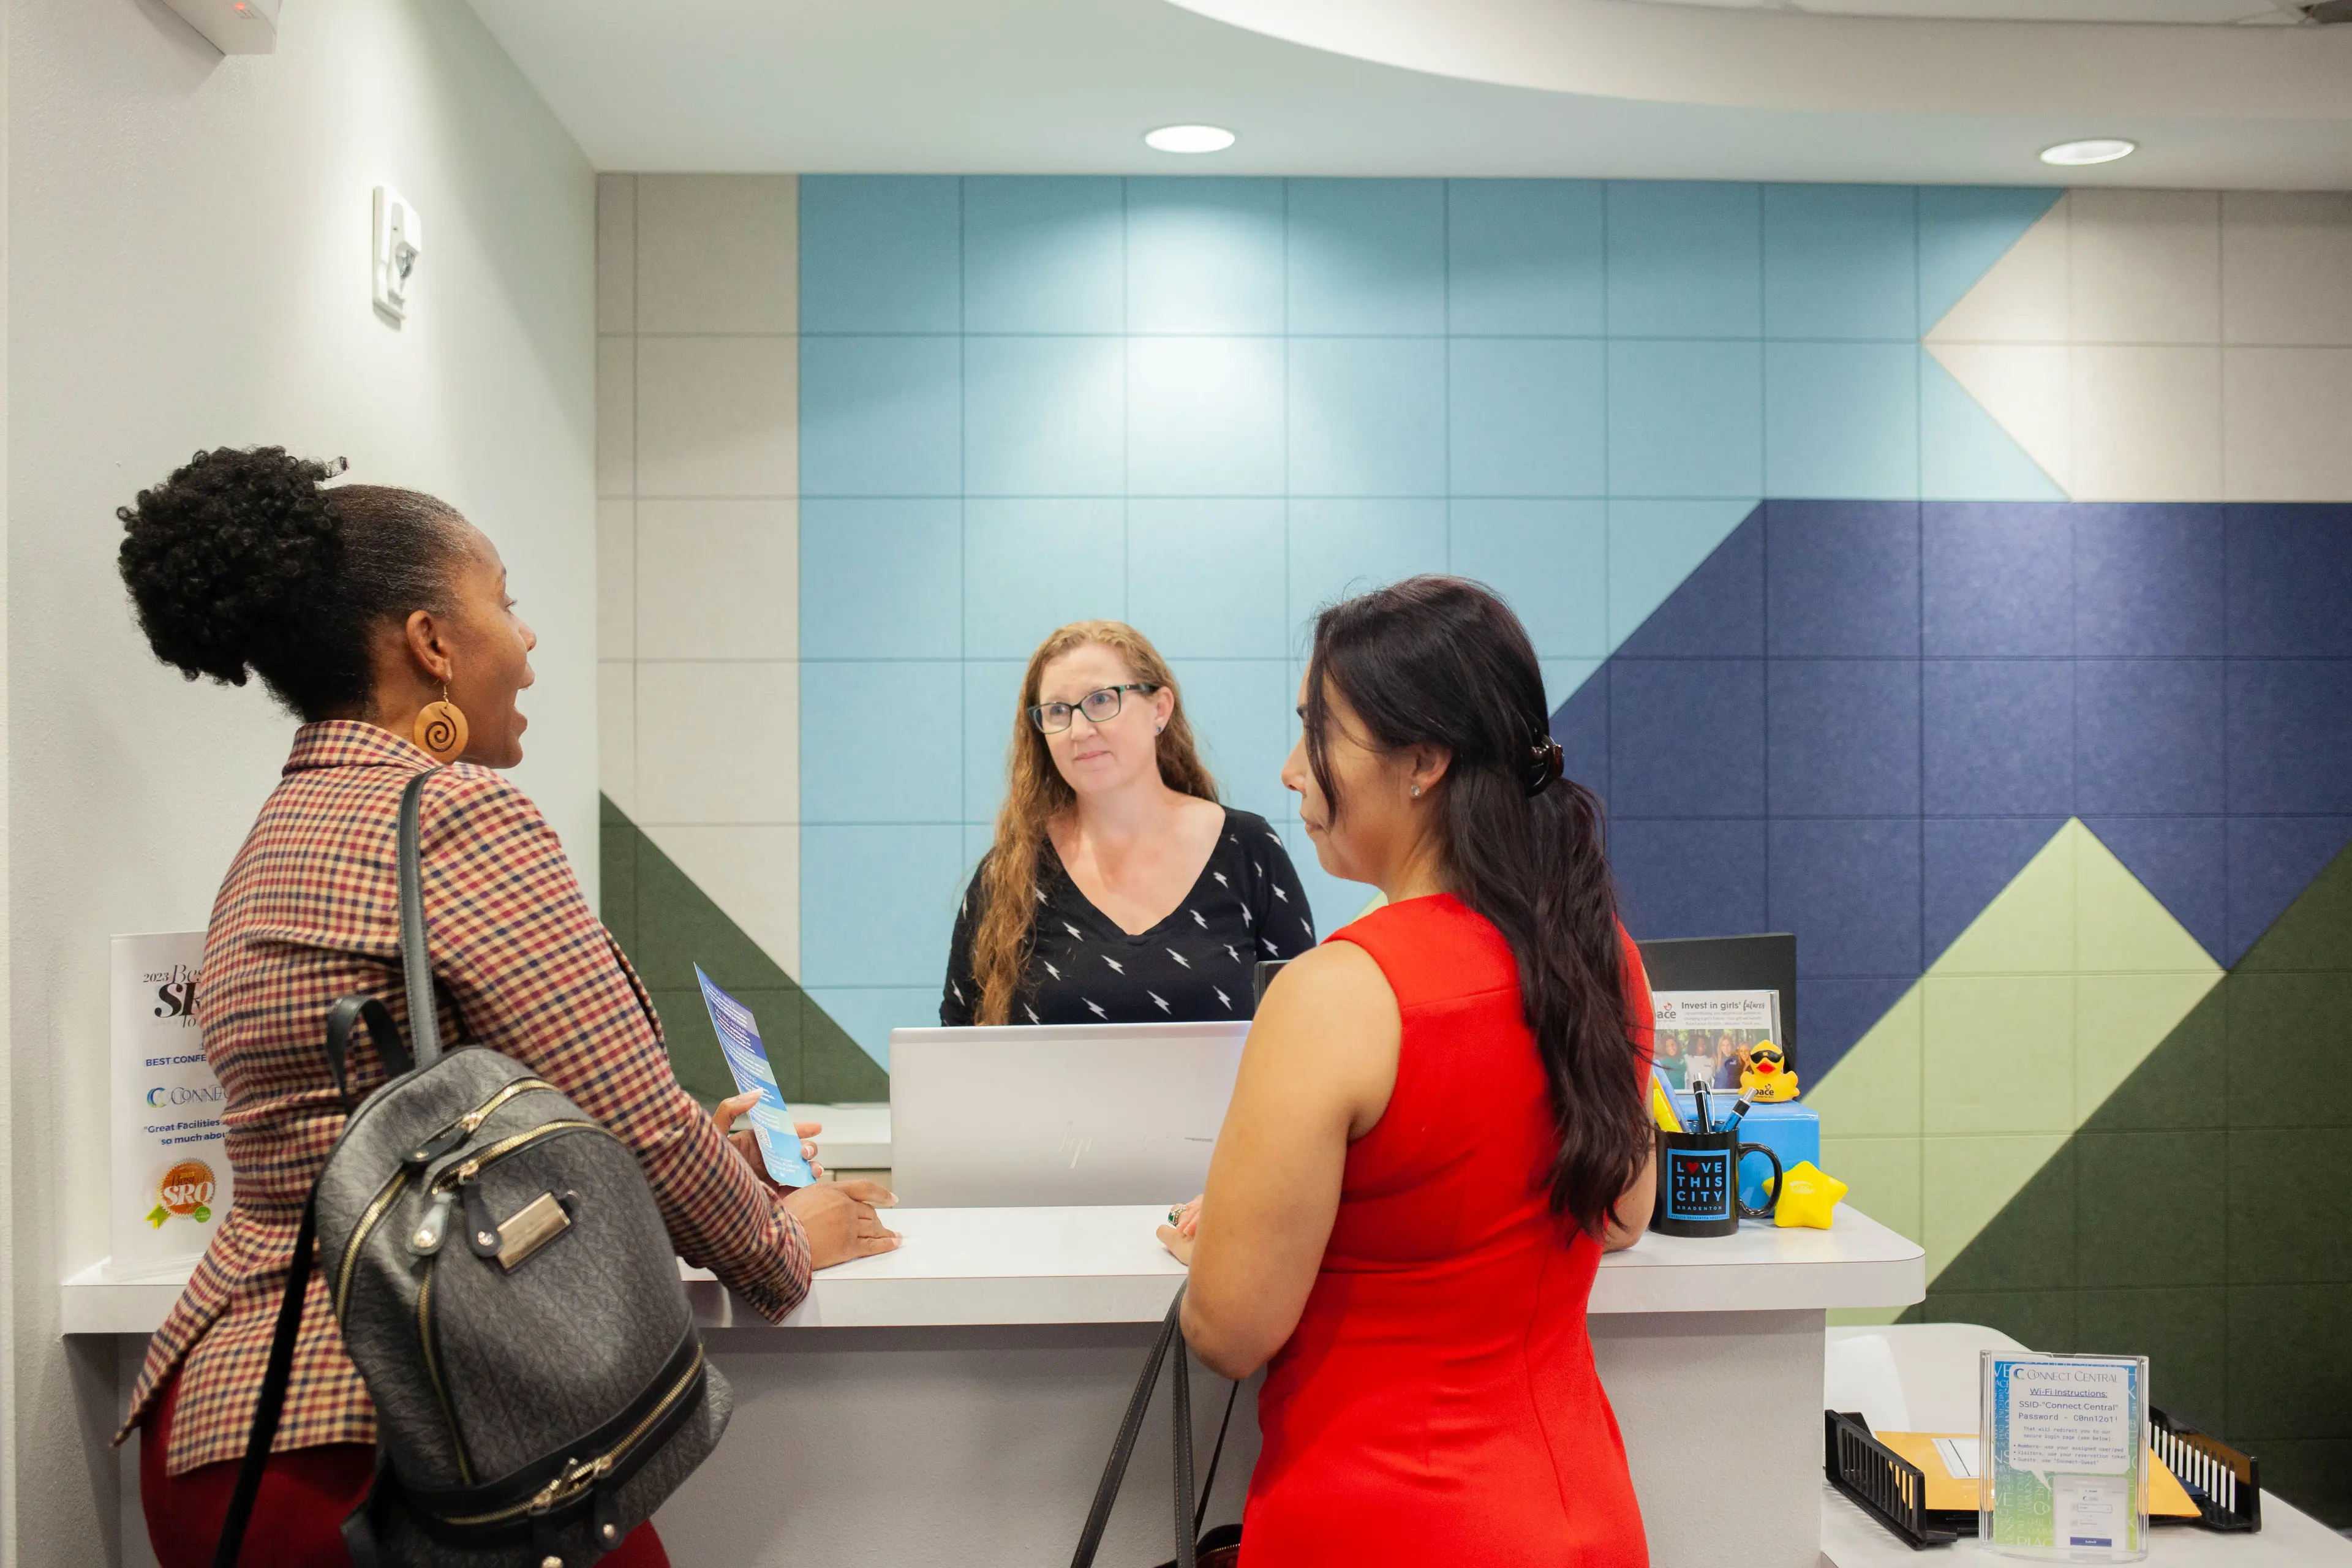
(372, 613)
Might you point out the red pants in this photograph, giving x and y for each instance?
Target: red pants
(298, 1519)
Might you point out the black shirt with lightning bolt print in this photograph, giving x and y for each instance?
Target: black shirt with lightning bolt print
(1247, 905)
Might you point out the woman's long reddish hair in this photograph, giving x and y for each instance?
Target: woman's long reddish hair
(1035, 793)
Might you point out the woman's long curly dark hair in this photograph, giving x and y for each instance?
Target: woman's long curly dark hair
(244, 561)
(1442, 662)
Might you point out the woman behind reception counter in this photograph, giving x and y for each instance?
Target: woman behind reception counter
(1118, 890)
(1438, 1125)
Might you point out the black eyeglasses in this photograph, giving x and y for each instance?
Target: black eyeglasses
(1100, 706)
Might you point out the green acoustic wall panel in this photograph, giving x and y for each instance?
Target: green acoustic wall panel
(2198, 1215)
(1962, 1098)
(667, 925)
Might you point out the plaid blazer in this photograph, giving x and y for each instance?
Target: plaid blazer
(311, 913)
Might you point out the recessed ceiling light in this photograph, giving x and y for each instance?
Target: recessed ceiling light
(1189, 139)
(2095, 149)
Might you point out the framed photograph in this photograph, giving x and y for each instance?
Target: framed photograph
(1702, 1036)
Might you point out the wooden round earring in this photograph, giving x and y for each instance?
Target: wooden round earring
(441, 728)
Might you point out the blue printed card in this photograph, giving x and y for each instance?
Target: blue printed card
(746, 1059)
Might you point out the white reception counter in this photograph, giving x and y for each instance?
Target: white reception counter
(954, 1400)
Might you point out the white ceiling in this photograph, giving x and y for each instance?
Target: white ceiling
(1431, 87)
(2191, 12)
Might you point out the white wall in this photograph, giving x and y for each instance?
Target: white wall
(189, 267)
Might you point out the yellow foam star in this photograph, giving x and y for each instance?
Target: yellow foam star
(1807, 1193)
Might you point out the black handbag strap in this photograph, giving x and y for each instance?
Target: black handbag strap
(1180, 1404)
(1209, 1480)
(271, 1404)
(424, 1017)
(1167, 1349)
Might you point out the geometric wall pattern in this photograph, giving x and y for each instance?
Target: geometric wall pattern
(2014, 1038)
(1902, 702)
(2169, 345)
(1954, 577)
(697, 538)
(2191, 1218)
(2067, 760)
(668, 926)
(1209, 406)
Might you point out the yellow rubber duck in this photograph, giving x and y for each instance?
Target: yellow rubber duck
(1764, 1075)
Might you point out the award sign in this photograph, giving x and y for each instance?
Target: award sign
(171, 1183)
(2064, 1457)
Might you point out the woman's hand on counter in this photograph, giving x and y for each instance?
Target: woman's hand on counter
(839, 1219)
(1176, 1235)
(747, 1147)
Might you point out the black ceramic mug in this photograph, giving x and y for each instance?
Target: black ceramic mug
(1698, 1184)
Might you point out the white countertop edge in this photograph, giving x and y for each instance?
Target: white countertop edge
(1764, 1288)
(982, 1267)
(1110, 1299)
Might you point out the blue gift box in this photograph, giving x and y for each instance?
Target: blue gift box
(1791, 1129)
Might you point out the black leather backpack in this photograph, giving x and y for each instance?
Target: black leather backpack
(505, 1284)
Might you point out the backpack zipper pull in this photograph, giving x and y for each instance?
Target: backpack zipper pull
(482, 1231)
(441, 1143)
(425, 1239)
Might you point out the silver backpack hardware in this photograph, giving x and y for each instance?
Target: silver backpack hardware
(504, 1282)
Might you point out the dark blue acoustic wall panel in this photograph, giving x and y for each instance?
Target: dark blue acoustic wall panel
(1857, 721)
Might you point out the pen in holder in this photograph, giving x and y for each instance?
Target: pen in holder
(1698, 1184)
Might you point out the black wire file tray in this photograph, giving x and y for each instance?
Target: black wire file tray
(2224, 1484)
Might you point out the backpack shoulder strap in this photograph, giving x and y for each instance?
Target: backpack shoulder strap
(424, 1032)
(271, 1404)
(423, 1016)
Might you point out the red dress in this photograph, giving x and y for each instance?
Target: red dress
(1438, 1402)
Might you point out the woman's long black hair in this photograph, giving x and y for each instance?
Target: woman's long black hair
(1442, 662)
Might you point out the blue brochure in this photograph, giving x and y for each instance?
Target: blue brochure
(771, 1119)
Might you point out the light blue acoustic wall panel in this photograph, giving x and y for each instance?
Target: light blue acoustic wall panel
(1212, 405)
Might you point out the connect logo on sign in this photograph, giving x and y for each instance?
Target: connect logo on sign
(162, 1095)
(186, 1191)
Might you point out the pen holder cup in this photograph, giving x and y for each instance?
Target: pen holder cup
(1698, 1184)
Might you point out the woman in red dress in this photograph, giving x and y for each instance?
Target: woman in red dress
(1438, 1127)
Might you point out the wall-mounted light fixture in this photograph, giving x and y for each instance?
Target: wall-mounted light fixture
(1189, 139)
(2091, 150)
(399, 241)
(235, 27)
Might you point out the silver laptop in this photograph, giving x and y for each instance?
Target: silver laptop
(1057, 1114)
